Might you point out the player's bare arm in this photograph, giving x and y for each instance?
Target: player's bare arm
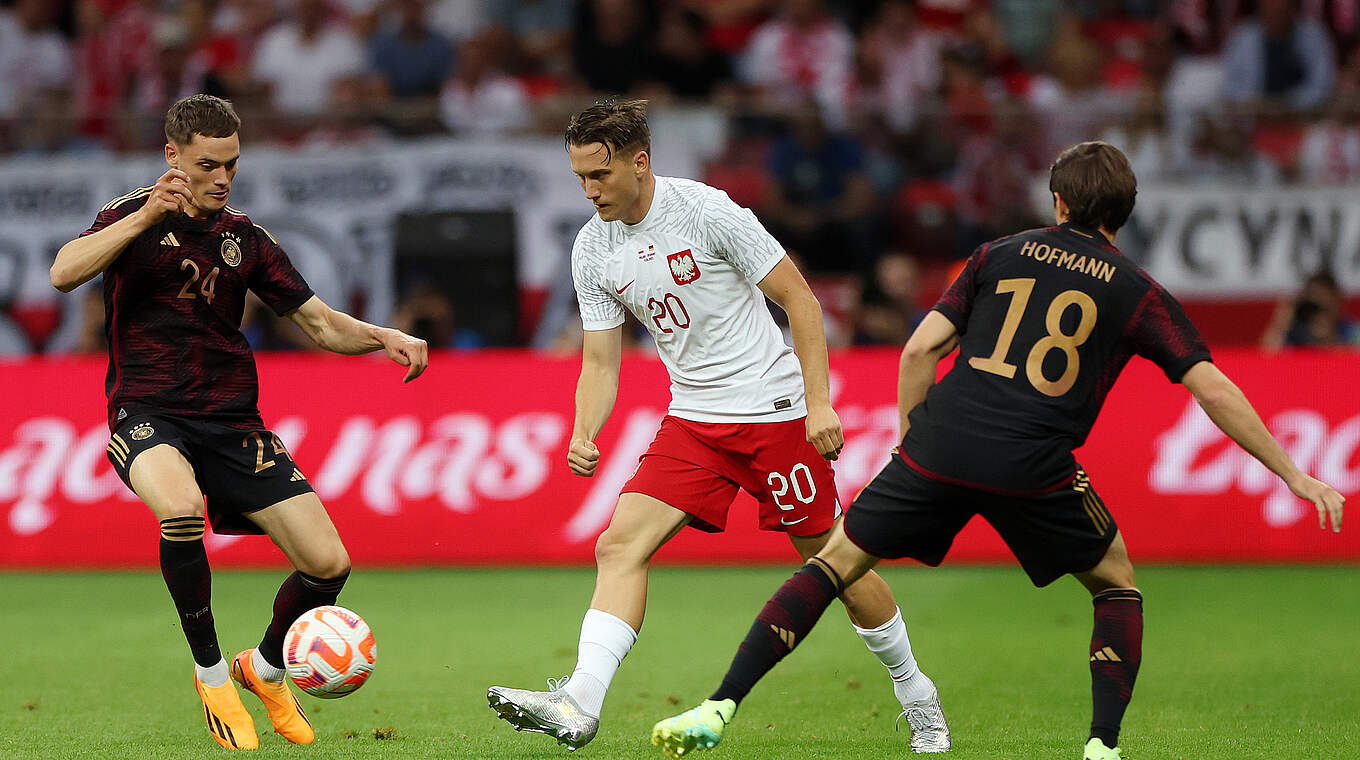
(339, 332)
(932, 341)
(82, 259)
(785, 286)
(596, 390)
(1230, 410)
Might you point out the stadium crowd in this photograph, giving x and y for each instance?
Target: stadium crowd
(875, 138)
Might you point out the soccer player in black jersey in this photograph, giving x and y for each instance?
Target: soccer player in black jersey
(182, 389)
(1044, 321)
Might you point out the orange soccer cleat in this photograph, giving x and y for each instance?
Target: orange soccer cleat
(228, 720)
(284, 711)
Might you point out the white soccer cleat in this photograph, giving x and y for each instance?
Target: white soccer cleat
(925, 718)
(552, 712)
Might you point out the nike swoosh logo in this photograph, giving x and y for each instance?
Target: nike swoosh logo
(625, 287)
(782, 521)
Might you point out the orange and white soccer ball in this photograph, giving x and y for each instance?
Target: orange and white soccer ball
(329, 652)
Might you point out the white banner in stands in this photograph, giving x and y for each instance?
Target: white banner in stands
(1218, 241)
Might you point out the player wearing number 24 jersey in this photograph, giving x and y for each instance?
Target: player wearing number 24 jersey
(187, 437)
(746, 411)
(1044, 321)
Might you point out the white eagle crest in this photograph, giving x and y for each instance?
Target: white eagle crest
(683, 267)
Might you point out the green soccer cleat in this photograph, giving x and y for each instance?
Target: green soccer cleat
(697, 728)
(1096, 750)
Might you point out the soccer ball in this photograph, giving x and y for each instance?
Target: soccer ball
(329, 652)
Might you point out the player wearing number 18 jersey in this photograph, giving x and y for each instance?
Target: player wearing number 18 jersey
(746, 411)
(182, 388)
(1044, 321)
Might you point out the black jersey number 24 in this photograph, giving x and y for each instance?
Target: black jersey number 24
(1020, 289)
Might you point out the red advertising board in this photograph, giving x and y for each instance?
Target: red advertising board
(466, 465)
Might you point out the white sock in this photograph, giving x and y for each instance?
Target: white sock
(215, 675)
(263, 669)
(605, 641)
(890, 644)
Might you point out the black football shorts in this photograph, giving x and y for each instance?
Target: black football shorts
(238, 471)
(902, 513)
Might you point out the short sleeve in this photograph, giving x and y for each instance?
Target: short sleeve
(1160, 332)
(599, 310)
(957, 302)
(734, 234)
(274, 279)
(116, 211)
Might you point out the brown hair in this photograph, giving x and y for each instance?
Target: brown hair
(1097, 184)
(205, 115)
(620, 125)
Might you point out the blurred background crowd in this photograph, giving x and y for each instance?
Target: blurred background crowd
(879, 140)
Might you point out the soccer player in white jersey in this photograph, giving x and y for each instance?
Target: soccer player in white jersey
(746, 411)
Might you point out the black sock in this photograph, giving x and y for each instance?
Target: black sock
(300, 592)
(184, 565)
(1116, 652)
(780, 626)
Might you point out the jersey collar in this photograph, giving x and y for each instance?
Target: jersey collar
(662, 185)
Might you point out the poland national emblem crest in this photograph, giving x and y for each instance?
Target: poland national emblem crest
(683, 269)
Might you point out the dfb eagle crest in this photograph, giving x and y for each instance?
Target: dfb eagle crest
(683, 269)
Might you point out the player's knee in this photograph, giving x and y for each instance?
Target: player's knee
(615, 548)
(334, 564)
(179, 508)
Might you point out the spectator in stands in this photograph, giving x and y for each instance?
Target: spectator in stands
(302, 58)
(903, 61)
(458, 20)
(34, 58)
(803, 54)
(1315, 317)
(481, 98)
(888, 312)
(1030, 27)
(1221, 151)
(1142, 137)
(730, 22)
(1279, 60)
(821, 201)
(1330, 152)
(412, 58)
(612, 43)
(245, 22)
(681, 62)
(996, 174)
(541, 30)
(1072, 102)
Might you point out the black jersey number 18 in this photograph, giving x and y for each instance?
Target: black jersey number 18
(1021, 288)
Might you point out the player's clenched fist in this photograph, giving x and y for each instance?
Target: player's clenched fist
(407, 351)
(824, 431)
(582, 457)
(170, 195)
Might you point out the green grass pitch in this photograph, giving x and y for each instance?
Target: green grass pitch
(1251, 662)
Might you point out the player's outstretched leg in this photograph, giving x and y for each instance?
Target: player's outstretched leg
(781, 625)
(1116, 650)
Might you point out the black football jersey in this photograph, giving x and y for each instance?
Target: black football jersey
(1047, 319)
(173, 301)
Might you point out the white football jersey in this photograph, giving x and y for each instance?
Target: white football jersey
(689, 272)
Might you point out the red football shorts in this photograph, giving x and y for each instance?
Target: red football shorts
(697, 468)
